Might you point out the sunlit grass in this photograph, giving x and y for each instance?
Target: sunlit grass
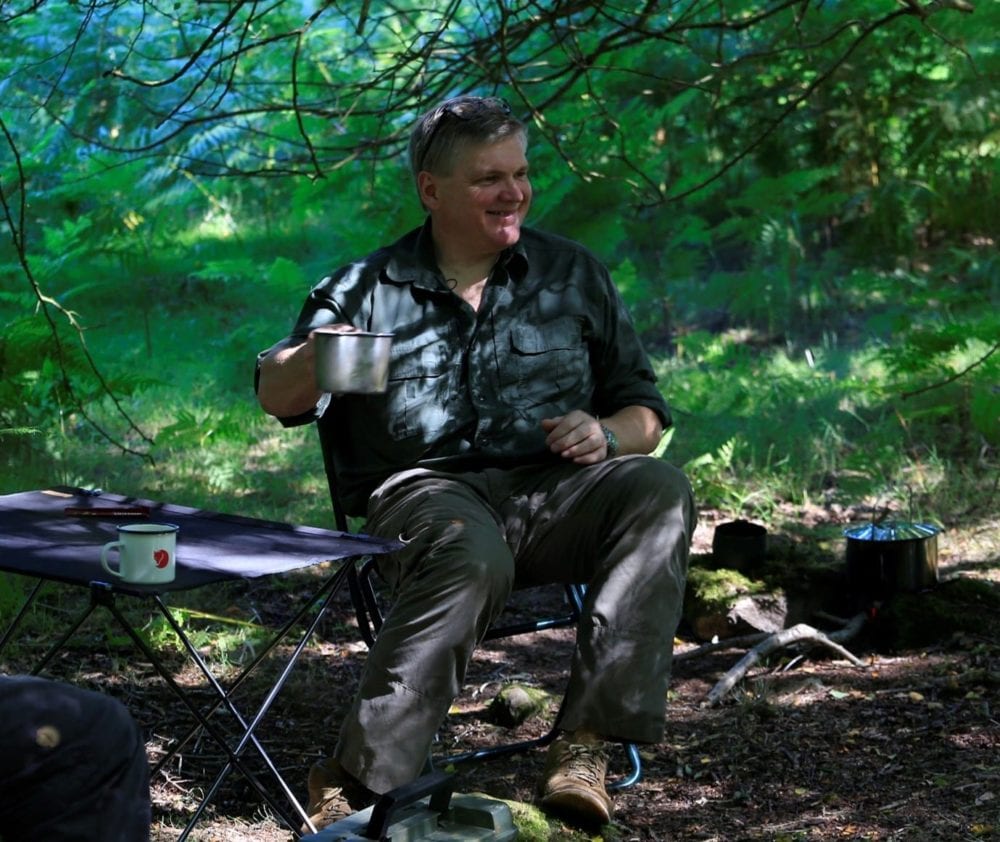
(754, 428)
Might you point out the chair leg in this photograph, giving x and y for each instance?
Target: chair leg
(635, 775)
(631, 752)
(369, 616)
(500, 751)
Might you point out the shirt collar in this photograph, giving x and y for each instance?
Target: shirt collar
(412, 261)
(515, 260)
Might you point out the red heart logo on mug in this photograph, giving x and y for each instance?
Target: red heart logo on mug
(162, 558)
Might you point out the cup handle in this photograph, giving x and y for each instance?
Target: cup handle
(104, 556)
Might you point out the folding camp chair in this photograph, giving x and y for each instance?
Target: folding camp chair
(369, 610)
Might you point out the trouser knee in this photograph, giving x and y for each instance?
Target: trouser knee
(449, 539)
(647, 484)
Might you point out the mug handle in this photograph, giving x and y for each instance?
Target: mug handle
(104, 556)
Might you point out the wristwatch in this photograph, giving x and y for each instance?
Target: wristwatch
(611, 440)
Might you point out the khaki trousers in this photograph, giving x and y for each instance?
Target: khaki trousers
(623, 527)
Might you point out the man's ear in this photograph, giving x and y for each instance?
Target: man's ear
(427, 188)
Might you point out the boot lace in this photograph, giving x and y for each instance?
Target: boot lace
(585, 762)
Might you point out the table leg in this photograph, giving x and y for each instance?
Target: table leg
(107, 600)
(20, 614)
(327, 592)
(249, 669)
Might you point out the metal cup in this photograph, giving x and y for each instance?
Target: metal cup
(352, 363)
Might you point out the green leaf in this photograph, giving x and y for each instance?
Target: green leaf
(984, 412)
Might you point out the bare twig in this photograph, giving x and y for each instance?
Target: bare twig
(726, 643)
(801, 633)
(536, 49)
(47, 304)
(957, 376)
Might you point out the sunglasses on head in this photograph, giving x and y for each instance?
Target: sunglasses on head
(461, 109)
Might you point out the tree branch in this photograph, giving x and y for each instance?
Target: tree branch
(16, 228)
(957, 376)
(541, 50)
(771, 125)
(800, 633)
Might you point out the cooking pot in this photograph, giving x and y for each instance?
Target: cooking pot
(890, 557)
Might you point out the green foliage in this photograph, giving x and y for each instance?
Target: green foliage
(33, 370)
(801, 214)
(12, 594)
(984, 412)
(227, 641)
(957, 607)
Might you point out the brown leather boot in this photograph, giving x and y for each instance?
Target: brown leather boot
(334, 794)
(573, 780)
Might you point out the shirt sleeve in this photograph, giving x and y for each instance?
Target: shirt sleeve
(624, 375)
(319, 309)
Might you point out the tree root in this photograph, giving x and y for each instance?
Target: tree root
(765, 644)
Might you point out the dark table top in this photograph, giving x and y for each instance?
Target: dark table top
(39, 537)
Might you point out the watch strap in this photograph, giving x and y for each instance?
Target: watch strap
(611, 441)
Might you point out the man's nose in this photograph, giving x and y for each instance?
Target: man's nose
(512, 190)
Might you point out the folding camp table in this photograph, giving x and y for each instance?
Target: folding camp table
(56, 535)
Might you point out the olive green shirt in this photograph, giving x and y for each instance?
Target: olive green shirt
(466, 388)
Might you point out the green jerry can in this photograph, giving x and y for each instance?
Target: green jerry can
(424, 811)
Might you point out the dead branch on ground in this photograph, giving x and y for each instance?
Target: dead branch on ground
(801, 633)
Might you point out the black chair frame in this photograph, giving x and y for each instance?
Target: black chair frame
(369, 613)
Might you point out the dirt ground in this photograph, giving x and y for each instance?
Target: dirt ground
(807, 747)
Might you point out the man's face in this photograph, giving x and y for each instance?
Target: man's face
(478, 208)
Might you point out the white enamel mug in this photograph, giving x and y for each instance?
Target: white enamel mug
(146, 553)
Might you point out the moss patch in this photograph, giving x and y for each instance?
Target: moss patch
(516, 703)
(535, 826)
(713, 591)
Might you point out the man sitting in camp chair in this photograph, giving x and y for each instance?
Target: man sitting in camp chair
(508, 449)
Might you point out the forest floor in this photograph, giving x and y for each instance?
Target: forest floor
(808, 747)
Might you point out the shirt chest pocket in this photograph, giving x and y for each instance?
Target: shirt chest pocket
(418, 395)
(544, 362)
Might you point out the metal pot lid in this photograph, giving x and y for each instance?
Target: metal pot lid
(892, 530)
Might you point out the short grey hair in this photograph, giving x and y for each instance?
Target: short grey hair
(441, 133)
